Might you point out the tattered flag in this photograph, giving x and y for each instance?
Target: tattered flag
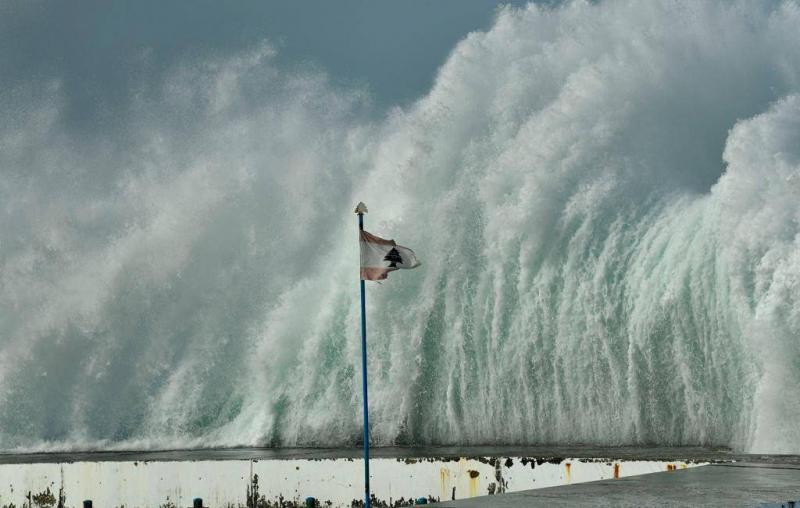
(380, 256)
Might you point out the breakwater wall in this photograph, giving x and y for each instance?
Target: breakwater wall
(280, 482)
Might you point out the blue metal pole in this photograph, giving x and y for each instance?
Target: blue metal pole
(367, 502)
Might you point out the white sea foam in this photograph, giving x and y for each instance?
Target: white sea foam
(605, 197)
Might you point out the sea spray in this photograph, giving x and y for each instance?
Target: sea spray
(604, 196)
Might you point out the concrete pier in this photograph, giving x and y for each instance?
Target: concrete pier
(769, 484)
(224, 476)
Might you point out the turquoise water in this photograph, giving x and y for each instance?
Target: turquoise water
(604, 198)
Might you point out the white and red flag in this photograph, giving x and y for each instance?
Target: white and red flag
(380, 256)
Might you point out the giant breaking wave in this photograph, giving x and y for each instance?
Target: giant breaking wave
(606, 198)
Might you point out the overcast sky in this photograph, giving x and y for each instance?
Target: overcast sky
(96, 47)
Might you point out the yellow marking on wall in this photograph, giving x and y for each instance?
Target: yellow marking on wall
(444, 482)
(473, 482)
(568, 466)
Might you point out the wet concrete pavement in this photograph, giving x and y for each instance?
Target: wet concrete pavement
(767, 484)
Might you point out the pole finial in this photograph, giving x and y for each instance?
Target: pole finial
(361, 208)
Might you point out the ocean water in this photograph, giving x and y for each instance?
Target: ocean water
(604, 197)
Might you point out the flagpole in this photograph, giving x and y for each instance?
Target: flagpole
(361, 209)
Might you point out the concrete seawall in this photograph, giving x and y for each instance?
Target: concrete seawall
(230, 477)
